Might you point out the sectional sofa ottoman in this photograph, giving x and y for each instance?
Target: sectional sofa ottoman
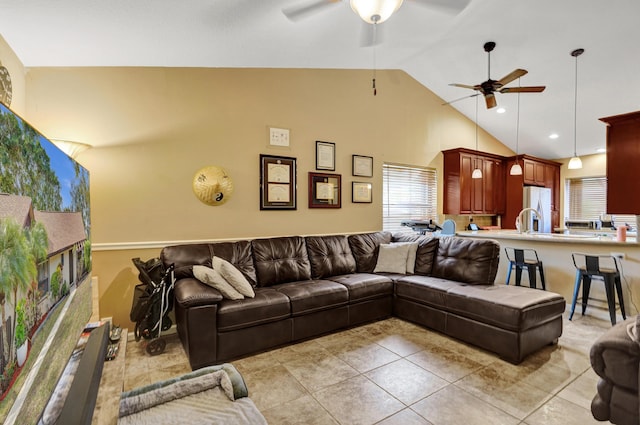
(313, 285)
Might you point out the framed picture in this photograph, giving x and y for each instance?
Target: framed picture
(325, 156)
(361, 192)
(362, 166)
(325, 190)
(277, 183)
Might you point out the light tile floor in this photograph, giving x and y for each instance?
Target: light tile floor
(395, 372)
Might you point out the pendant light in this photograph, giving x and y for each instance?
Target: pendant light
(575, 163)
(477, 172)
(516, 169)
(376, 11)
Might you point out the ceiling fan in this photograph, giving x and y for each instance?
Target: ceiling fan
(373, 12)
(490, 87)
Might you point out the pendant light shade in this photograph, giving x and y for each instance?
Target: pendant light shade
(516, 169)
(575, 163)
(477, 172)
(375, 11)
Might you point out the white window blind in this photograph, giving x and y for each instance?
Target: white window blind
(409, 193)
(587, 199)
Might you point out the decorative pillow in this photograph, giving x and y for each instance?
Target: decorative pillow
(233, 276)
(411, 256)
(392, 258)
(213, 278)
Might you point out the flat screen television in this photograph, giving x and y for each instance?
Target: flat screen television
(45, 266)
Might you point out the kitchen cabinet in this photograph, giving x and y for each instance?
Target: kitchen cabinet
(464, 195)
(536, 172)
(533, 172)
(623, 159)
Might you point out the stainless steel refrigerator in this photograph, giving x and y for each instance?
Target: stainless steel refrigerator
(538, 198)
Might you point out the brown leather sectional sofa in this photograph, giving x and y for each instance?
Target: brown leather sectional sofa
(308, 286)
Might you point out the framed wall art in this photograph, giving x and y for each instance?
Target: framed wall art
(277, 182)
(325, 156)
(361, 192)
(362, 166)
(325, 190)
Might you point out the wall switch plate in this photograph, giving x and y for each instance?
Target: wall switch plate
(278, 136)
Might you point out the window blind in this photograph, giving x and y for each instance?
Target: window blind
(409, 193)
(587, 199)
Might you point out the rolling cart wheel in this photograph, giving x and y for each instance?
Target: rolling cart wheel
(156, 347)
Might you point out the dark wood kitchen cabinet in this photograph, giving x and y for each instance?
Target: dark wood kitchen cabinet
(623, 163)
(533, 172)
(464, 195)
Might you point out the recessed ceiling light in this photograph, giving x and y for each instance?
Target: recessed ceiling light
(553, 136)
(501, 110)
(601, 150)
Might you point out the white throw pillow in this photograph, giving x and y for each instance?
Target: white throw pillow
(392, 258)
(411, 256)
(233, 276)
(214, 279)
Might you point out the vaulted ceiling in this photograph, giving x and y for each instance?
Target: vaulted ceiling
(434, 47)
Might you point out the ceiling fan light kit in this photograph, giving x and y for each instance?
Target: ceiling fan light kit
(575, 163)
(375, 11)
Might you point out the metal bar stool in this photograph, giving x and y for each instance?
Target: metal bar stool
(524, 259)
(605, 267)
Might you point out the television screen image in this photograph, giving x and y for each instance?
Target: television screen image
(45, 260)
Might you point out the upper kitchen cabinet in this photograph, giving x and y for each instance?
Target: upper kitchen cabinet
(464, 195)
(536, 172)
(533, 172)
(623, 157)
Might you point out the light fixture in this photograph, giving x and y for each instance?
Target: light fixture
(516, 169)
(554, 136)
(73, 149)
(375, 11)
(501, 110)
(477, 173)
(575, 162)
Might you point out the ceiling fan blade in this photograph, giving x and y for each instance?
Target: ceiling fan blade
(490, 100)
(465, 86)
(304, 9)
(447, 6)
(510, 77)
(371, 34)
(460, 98)
(530, 89)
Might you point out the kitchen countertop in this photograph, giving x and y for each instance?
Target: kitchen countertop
(599, 239)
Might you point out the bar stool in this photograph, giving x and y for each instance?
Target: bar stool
(524, 259)
(589, 266)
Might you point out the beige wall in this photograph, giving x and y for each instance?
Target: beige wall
(153, 128)
(9, 60)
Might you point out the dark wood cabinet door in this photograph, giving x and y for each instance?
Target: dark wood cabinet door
(623, 159)
(466, 184)
(489, 170)
(529, 172)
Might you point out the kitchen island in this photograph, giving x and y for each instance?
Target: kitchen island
(555, 251)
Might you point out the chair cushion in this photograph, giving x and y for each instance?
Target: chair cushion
(472, 261)
(330, 256)
(363, 286)
(365, 249)
(281, 260)
(184, 256)
(267, 306)
(313, 295)
(426, 252)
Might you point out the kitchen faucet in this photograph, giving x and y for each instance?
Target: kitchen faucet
(519, 219)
